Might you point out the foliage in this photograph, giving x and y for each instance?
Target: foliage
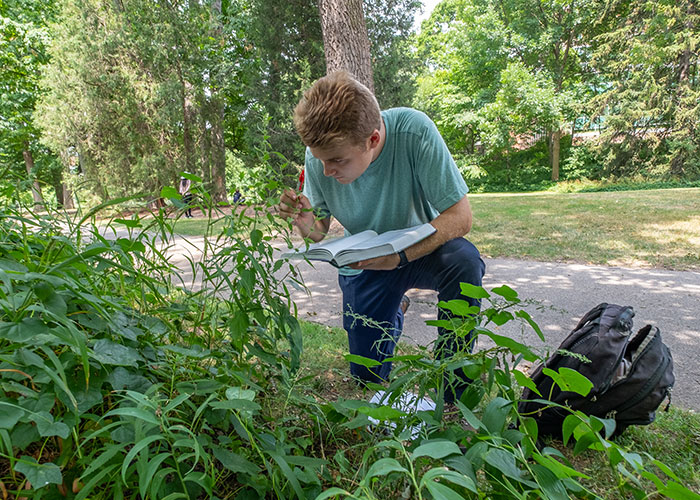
(649, 104)
(122, 380)
(491, 452)
(498, 70)
(24, 40)
(139, 92)
(119, 382)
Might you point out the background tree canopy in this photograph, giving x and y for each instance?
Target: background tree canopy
(116, 98)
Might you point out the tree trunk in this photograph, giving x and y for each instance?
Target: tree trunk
(345, 39)
(217, 115)
(218, 153)
(36, 188)
(186, 103)
(67, 197)
(556, 146)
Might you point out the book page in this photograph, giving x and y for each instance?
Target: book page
(339, 244)
(398, 239)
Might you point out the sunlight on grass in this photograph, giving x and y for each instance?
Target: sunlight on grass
(658, 228)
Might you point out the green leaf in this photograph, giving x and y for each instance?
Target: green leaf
(28, 330)
(436, 449)
(361, 360)
(235, 404)
(442, 492)
(678, 492)
(585, 441)
(500, 318)
(571, 422)
(192, 177)
(459, 307)
(153, 465)
(287, 471)
(110, 353)
(525, 381)
(524, 315)
(38, 474)
(382, 412)
(240, 393)
(130, 223)
(9, 415)
(558, 468)
(665, 469)
(507, 342)
(385, 466)
(608, 424)
(468, 415)
(474, 292)
(170, 192)
(255, 237)
(550, 483)
(496, 414)
(47, 427)
(506, 292)
(504, 462)
(332, 492)
(570, 380)
(235, 462)
(144, 443)
(451, 476)
(137, 413)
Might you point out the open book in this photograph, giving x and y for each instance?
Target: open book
(365, 245)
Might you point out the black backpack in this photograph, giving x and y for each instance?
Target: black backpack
(631, 375)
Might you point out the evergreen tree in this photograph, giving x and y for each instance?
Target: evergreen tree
(24, 38)
(141, 91)
(649, 61)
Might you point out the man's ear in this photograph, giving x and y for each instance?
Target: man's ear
(374, 139)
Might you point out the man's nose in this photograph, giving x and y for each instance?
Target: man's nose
(328, 171)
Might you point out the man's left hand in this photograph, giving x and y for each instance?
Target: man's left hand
(386, 263)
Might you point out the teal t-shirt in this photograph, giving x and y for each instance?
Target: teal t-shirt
(413, 179)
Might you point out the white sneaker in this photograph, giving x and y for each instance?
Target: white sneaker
(408, 403)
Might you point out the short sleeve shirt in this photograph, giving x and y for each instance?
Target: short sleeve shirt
(413, 179)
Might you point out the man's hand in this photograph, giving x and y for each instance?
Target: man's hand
(295, 206)
(386, 263)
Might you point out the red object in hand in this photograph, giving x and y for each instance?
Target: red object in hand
(301, 180)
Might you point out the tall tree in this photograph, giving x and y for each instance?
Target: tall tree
(24, 38)
(649, 59)
(470, 43)
(345, 39)
(139, 90)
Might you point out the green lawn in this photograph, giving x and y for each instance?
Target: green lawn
(656, 228)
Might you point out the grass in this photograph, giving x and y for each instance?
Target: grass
(674, 438)
(653, 228)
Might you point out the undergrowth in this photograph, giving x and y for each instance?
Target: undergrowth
(124, 376)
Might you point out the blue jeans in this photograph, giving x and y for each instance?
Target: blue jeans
(377, 296)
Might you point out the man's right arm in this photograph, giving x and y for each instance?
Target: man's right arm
(297, 207)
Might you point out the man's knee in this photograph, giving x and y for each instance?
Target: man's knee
(463, 262)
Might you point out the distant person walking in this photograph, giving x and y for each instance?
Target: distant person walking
(184, 190)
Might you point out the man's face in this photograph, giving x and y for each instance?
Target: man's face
(347, 161)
